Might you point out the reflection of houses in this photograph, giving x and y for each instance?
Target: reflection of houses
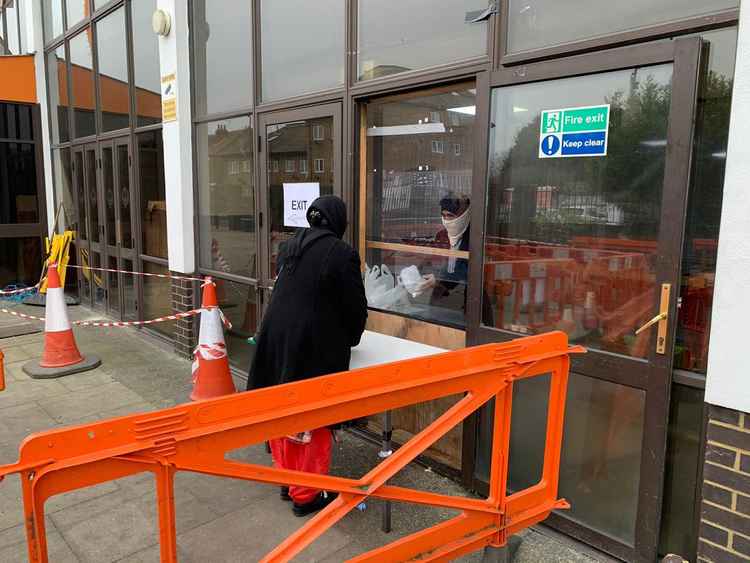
(422, 149)
(299, 152)
(231, 179)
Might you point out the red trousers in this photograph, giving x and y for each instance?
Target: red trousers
(313, 457)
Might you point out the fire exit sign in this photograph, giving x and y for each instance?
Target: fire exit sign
(573, 132)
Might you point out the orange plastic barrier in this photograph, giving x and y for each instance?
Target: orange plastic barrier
(196, 437)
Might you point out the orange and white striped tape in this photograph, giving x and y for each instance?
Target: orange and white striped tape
(17, 291)
(146, 274)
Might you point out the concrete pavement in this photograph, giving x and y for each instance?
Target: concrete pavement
(218, 520)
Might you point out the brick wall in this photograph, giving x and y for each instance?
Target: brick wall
(724, 534)
(183, 299)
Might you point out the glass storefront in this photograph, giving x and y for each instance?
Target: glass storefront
(420, 153)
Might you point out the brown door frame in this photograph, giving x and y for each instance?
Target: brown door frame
(333, 110)
(654, 374)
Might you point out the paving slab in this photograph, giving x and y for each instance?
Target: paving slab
(57, 548)
(75, 406)
(251, 532)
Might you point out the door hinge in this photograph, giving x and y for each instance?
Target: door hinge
(130, 161)
(260, 220)
(260, 144)
(99, 163)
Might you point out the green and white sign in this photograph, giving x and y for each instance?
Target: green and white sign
(574, 132)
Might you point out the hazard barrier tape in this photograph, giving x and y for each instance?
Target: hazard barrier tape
(113, 270)
(119, 324)
(17, 291)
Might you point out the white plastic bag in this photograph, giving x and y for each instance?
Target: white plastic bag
(378, 281)
(394, 299)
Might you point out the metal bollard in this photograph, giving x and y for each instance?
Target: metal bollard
(2, 371)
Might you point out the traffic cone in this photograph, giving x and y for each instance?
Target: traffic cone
(211, 376)
(60, 355)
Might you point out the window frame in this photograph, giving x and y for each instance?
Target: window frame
(319, 165)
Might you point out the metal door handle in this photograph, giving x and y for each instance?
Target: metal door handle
(652, 322)
(662, 320)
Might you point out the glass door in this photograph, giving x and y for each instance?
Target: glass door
(302, 151)
(588, 170)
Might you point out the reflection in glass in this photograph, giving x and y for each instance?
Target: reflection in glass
(64, 189)
(91, 191)
(20, 261)
(76, 10)
(53, 21)
(415, 194)
(98, 280)
(704, 203)
(129, 295)
(146, 64)
(292, 142)
(12, 41)
(684, 456)
(226, 197)
(108, 179)
(113, 71)
(293, 64)
(223, 32)
(571, 242)
(153, 194)
(57, 83)
(395, 36)
(82, 85)
(533, 24)
(114, 285)
(601, 456)
(80, 190)
(157, 298)
(84, 275)
(15, 122)
(239, 303)
(18, 189)
(123, 196)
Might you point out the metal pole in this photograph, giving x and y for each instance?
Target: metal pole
(384, 454)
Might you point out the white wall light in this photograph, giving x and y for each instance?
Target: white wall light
(161, 23)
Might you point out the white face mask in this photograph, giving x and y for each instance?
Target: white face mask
(457, 227)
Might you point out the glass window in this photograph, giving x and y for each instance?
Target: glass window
(100, 3)
(302, 46)
(533, 24)
(15, 122)
(601, 446)
(20, 261)
(113, 71)
(13, 39)
(239, 303)
(57, 78)
(76, 11)
(82, 84)
(53, 21)
(704, 203)
(571, 242)
(18, 190)
(397, 36)
(153, 194)
(146, 64)
(223, 33)
(157, 298)
(64, 190)
(418, 201)
(684, 456)
(226, 197)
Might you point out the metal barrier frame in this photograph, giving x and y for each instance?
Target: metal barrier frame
(197, 436)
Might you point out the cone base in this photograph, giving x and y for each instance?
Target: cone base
(216, 380)
(36, 371)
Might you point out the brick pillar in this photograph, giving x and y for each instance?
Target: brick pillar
(724, 534)
(183, 299)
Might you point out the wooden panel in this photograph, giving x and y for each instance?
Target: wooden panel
(415, 249)
(410, 420)
(417, 331)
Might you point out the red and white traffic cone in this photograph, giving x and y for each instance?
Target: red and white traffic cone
(211, 375)
(60, 355)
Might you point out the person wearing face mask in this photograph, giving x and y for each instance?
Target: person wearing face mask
(317, 313)
(452, 278)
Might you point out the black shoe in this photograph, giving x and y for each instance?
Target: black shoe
(320, 502)
(284, 494)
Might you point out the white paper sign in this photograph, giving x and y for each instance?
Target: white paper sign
(297, 197)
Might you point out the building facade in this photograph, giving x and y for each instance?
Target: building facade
(591, 142)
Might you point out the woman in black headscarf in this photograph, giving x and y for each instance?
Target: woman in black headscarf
(316, 315)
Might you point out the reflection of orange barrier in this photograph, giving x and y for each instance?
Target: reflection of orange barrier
(616, 244)
(196, 437)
